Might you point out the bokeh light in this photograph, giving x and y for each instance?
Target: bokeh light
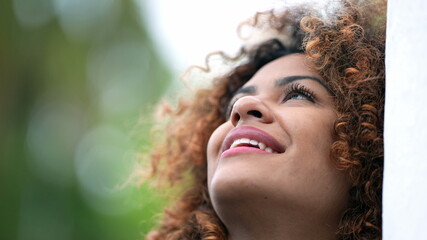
(53, 131)
(102, 162)
(33, 14)
(86, 20)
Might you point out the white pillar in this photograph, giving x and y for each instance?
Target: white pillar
(405, 172)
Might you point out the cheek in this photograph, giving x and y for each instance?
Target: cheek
(214, 147)
(312, 167)
(315, 130)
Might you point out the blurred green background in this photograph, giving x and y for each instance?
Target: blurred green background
(78, 81)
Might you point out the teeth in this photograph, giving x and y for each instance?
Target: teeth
(235, 143)
(260, 145)
(253, 142)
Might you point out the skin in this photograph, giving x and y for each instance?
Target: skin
(297, 194)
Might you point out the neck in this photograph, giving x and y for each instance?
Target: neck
(278, 223)
(291, 231)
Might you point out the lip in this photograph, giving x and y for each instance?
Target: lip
(253, 134)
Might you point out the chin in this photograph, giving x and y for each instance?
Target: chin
(242, 187)
(229, 187)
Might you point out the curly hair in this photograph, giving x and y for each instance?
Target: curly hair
(346, 45)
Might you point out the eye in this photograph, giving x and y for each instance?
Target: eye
(297, 91)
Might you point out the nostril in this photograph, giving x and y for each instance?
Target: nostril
(255, 113)
(235, 118)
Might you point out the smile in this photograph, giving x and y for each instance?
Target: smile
(247, 140)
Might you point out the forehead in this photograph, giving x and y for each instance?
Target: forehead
(290, 65)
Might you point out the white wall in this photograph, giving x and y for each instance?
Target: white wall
(405, 175)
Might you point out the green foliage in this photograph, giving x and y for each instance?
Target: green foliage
(75, 77)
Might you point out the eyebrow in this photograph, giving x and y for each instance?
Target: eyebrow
(248, 90)
(287, 80)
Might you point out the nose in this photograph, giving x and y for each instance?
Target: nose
(250, 108)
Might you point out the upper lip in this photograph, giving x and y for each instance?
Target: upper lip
(253, 134)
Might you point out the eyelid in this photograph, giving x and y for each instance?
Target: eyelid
(294, 87)
(297, 87)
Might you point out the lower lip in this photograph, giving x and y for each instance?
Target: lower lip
(242, 150)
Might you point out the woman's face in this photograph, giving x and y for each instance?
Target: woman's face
(274, 149)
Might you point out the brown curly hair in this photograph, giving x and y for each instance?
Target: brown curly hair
(346, 43)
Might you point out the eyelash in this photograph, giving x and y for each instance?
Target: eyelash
(296, 89)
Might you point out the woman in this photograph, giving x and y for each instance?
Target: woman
(289, 144)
